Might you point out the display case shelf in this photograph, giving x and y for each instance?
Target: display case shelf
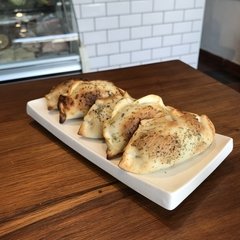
(69, 37)
(39, 41)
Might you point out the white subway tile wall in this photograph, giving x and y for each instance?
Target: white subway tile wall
(120, 33)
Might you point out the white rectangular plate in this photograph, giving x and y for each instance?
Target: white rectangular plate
(168, 188)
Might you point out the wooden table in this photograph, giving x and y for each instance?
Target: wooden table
(48, 191)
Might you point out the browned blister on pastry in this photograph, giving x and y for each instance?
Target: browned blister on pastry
(55, 92)
(80, 97)
(160, 143)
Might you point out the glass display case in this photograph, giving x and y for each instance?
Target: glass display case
(37, 37)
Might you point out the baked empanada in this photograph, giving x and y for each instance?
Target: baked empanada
(100, 112)
(160, 143)
(55, 92)
(125, 118)
(80, 97)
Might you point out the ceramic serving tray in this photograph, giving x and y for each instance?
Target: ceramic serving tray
(167, 188)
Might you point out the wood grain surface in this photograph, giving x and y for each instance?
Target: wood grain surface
(48, 191)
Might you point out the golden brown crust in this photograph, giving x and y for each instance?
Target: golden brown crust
(80, 97)
(119, 129)
(150, 135)
(98, 114)
(163, 142)
(56, 91)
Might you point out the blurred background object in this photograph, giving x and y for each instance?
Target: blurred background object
(37, 38)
